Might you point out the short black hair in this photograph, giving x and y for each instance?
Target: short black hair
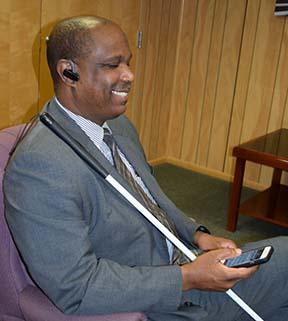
(70, 39)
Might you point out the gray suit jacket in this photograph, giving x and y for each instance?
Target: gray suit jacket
(85, 246)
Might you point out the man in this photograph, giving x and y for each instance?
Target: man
(85, 246)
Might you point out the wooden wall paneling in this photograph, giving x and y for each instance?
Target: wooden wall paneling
(4, 64)
(159, 80)
(140, 64)
(279, 96)
(181, 79)
(24, 60)
(226, 84)
(197, 80)
(262, 80)
(19, 62)
(168, 77)
(213, 66)
(281, 84)
(241, 91)
(150, 73)
(124, 12)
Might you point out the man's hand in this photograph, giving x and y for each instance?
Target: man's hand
(207, 242)
(208, 273)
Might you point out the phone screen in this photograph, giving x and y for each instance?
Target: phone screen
(244, 258)
(251, 257)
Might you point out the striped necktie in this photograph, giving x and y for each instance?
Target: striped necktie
(178, 256)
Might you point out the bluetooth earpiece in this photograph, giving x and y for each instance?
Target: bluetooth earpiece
(71, 74)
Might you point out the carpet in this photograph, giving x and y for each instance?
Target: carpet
(206, 199)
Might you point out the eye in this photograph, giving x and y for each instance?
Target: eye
(110, 65)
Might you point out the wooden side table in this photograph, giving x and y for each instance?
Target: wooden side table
(270, 205)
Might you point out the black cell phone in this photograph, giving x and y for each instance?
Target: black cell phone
(251, 257)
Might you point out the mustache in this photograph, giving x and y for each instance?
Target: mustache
(125, 87)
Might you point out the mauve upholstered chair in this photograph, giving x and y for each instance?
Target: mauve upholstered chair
(20, 298)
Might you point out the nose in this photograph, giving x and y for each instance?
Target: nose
(126, 74)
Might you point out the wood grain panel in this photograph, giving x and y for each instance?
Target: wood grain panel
(198, 79)
(241, 90)
(245, 94)
(140, 62)
(169, 77)
(281, 84)
(181, 79)
(213, 66)
(236, 92)
(226, 84)
(19, 52)
(4, 64)
(279, 96)
(262, 79)
(150, 73)
(159, 83)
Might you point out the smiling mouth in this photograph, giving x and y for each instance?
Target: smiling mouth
(120, 93)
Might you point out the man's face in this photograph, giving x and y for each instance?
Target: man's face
(105, 76)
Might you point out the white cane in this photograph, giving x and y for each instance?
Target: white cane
(81, 152)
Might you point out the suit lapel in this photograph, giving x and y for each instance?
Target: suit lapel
(79, 135)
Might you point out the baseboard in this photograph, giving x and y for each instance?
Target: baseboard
(158, 161)
(204, 170)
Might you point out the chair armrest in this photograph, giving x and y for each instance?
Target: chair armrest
(35, 306)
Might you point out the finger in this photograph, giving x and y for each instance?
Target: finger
(227, 253)
(237, 274)
(229, 244)
(246, 272)
(221, 242)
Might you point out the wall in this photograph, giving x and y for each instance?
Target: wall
(210, 74)
(230, 83)
(25, 82)
(19, 24)
(160, 20)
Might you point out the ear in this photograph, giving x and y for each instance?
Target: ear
(63, 64)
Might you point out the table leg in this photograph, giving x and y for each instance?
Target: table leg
(276, 176)
(274, 193)
(236, 194)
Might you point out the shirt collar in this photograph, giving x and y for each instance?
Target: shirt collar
(94, 131)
